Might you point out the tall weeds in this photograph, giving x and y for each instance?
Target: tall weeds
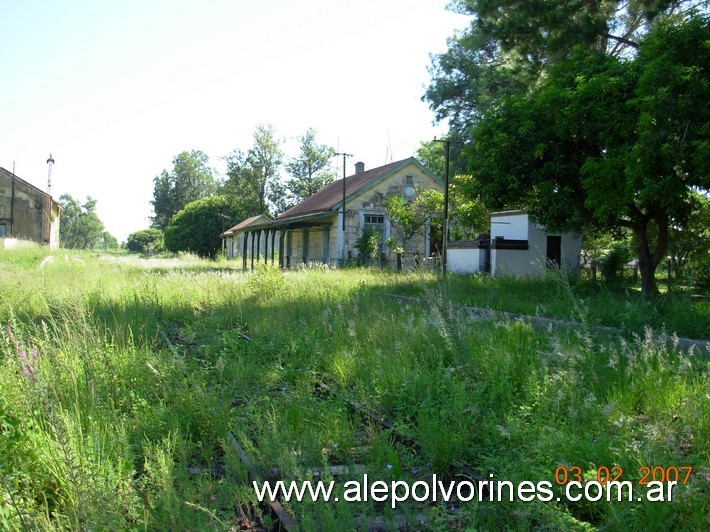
(117, 392)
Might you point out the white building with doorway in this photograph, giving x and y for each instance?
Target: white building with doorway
(518, 246)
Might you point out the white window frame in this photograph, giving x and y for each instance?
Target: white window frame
(386, 226)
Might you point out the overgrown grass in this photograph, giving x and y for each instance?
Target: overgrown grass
(121, 380)
(554, 297)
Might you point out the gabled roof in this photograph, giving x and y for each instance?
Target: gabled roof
(18, 178)
(252, 220)
(332, 195)
(326, 201)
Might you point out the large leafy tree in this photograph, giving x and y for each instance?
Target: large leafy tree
(310, 171)
(589, 114)
(607, 143)
(197, 227)
(253, 177)
(545, 31)
(190, 179)
(81, 227)
(511, 44)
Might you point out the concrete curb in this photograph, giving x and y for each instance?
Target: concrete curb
(699, 348)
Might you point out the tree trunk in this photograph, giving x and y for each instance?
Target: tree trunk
(649, 260)
(648, 274)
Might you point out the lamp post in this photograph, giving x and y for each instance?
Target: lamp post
(50, 163)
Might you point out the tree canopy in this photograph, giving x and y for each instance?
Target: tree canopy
(586, 136)
(190, 179)
(545, 31)
(108, 241)
(511, 44)
(80, 226)
(198, 226)
(310, 171)
(253, 177)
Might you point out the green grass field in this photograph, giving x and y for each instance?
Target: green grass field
(122, 379)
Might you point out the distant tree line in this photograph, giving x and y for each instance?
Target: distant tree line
(80, 226)
(192, 206)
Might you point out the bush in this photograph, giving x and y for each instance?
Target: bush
(266, 282)
(698, 271)
(368, 243)
(614, 263)
(197, 227)
(145, 240)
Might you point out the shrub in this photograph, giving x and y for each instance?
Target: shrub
(613, 264)
(266, 282)
(368, 243)
(145, 240)
(198, 226)
(699, 273)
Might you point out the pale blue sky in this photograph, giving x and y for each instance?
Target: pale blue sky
(114, 89)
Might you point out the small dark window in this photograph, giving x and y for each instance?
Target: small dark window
(374, 219)
(2, 231)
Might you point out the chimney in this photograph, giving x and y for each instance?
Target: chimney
(359, 168)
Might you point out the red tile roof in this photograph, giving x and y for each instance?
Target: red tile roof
(333, 193)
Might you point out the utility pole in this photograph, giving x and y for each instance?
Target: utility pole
(445, 244)
(224, 239)
(344, 156)
(342, 228)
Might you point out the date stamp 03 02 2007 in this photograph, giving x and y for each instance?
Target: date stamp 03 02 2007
(679, 474)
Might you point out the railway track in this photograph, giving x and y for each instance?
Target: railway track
(375, 521)
(372, 521)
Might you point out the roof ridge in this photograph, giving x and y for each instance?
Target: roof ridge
(314, 204)
(247, 221)
(14, 175)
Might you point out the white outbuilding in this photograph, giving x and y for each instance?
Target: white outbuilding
(516, 245)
